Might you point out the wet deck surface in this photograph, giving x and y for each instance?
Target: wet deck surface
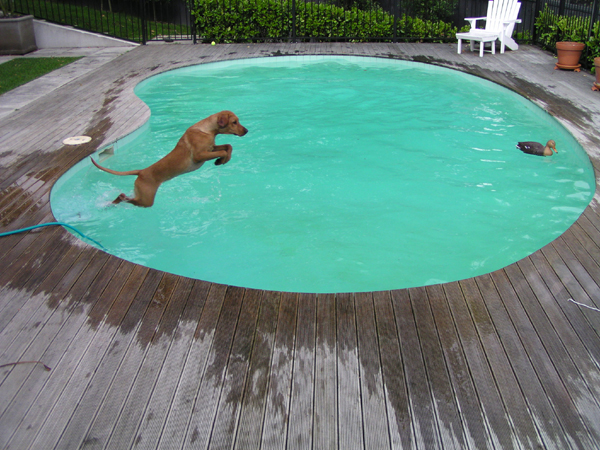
(145, 359)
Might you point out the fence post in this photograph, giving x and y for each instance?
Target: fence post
(143, 22)
(536, 13)
(293, 20)
(395, 35)
(593, 19)
(190, 5)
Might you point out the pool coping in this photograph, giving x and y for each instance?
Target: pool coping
(241, 62)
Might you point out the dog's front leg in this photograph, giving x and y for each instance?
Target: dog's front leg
(227, 148)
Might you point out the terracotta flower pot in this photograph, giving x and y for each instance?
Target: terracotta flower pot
(596, 86)
(568, 55)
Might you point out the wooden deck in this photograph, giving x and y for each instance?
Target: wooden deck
(145, 359)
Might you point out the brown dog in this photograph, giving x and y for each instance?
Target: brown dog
(196, 146)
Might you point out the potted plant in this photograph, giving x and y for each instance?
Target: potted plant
(17, 36)
(568, 55)
(596, 86)
(564, 35)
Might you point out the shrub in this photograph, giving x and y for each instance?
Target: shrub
(593, 45)
(425, 29)
(433, 9)
(552, 28)
(252, 20)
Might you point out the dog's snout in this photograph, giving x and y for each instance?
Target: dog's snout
(243, 132)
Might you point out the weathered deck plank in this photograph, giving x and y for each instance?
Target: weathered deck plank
(126, 282)
(228, 409)
(165, 307)
(165, 388)
(445, 406)
(326, 420)
(375, 431)
(303, 375)
(19, 272)
(557, 375)
(498, 369)
(209, 299)
(253, 406)
(128, 353)
(476, 434)
(144, 359)
(396, 397)
(349, 405)
(542, 410)
(78, 367)
(50, 345)
(275, 425)
(495, 410)
(423, 419)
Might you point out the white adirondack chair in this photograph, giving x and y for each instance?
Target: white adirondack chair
(499, 24)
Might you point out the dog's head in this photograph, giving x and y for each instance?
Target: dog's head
(229, 123)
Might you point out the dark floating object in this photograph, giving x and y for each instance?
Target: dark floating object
(535, 148)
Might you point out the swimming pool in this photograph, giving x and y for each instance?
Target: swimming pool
(357, 174)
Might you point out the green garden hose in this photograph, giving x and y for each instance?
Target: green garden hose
(8, 233)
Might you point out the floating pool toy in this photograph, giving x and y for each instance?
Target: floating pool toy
(535, 148)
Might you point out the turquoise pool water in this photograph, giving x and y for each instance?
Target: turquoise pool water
(357, 174)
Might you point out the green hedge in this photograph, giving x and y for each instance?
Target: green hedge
(254, 20)
(552, 28)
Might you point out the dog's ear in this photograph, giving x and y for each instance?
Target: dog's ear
(223, 119)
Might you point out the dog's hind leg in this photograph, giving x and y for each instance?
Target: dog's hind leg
(144, 193)
(134, 201)
(122, 198)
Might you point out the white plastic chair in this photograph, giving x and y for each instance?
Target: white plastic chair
(499, 24)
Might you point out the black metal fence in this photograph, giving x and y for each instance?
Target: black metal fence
(134, 20)
(147, 20)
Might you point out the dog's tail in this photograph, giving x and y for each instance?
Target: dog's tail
(114, 172)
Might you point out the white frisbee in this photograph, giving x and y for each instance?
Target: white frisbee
(76, 140)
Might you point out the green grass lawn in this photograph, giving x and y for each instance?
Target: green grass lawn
(19, 71)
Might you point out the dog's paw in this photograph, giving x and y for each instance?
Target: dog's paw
(120, 198)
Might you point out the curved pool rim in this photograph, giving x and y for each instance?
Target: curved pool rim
(569, 126)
